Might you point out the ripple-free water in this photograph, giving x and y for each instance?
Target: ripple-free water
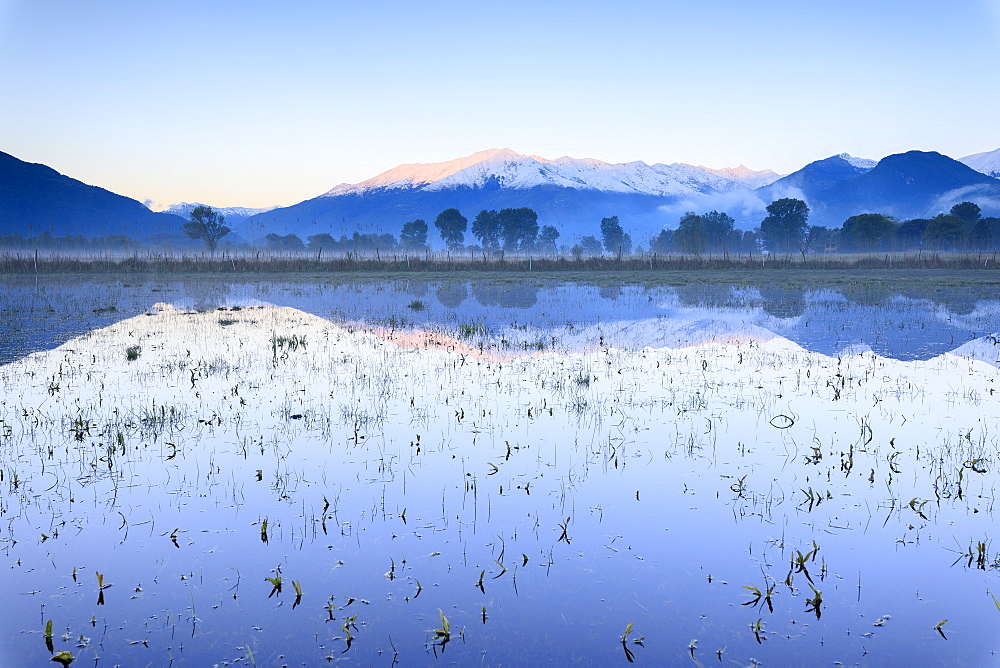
(594, 458)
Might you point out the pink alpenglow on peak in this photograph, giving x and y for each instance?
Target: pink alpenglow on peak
(510, 169)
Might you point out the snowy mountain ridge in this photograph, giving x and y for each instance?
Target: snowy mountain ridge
(509, 169)
(988, 163)
(860, 163)
(184, 210)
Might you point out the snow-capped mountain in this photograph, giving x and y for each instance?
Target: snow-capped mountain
(233, 214)
(744, 176)
(858, 163)
(505, 168)
(573, 195)
(988, 163)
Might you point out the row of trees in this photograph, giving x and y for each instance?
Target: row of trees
(614, 240)
(510, 230)
(962, 228)
(356, 243)
(785, 229)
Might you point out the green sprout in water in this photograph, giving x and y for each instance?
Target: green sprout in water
(100, 587)
(629, 654)
(275, 585)
(759, 595)
(442, 636)
(65, 657)
(346, 628)
(813, 604)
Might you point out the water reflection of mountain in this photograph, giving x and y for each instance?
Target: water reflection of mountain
(40, 314)
(912, 322)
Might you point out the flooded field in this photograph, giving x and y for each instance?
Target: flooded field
(497, 473)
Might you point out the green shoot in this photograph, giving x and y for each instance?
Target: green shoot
(65, 657)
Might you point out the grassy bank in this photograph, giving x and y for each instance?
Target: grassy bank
(380, 265)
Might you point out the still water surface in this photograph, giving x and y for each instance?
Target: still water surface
(909, 321)
(744, 475)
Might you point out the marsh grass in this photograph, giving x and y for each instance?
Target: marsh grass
(14, 262)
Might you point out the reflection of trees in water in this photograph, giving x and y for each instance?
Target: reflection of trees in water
(417, 288)
(206, 294)
(709, 296)
(515, 295)
(611, 292)
(959, 302)
(783, 303)
(451, 295)
(869, 293)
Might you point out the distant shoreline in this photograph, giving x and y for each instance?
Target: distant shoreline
(953, 269)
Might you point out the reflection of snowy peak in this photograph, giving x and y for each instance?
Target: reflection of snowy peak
(988, 163)
(505, 168)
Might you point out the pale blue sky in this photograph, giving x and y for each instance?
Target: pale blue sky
(253, 104)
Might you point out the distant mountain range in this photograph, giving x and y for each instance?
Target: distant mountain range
(233, 214)
(571, 194)
(904, 185)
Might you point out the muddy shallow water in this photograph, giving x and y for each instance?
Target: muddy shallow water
(261, 474)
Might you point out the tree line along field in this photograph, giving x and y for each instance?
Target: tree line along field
(785, 230)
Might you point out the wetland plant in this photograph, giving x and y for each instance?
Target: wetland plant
(275, 585)
(814, 604)
(442, 636)
(65, 657)
(761, 597)
(629, 654)
(467, 330)
(565, 531)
